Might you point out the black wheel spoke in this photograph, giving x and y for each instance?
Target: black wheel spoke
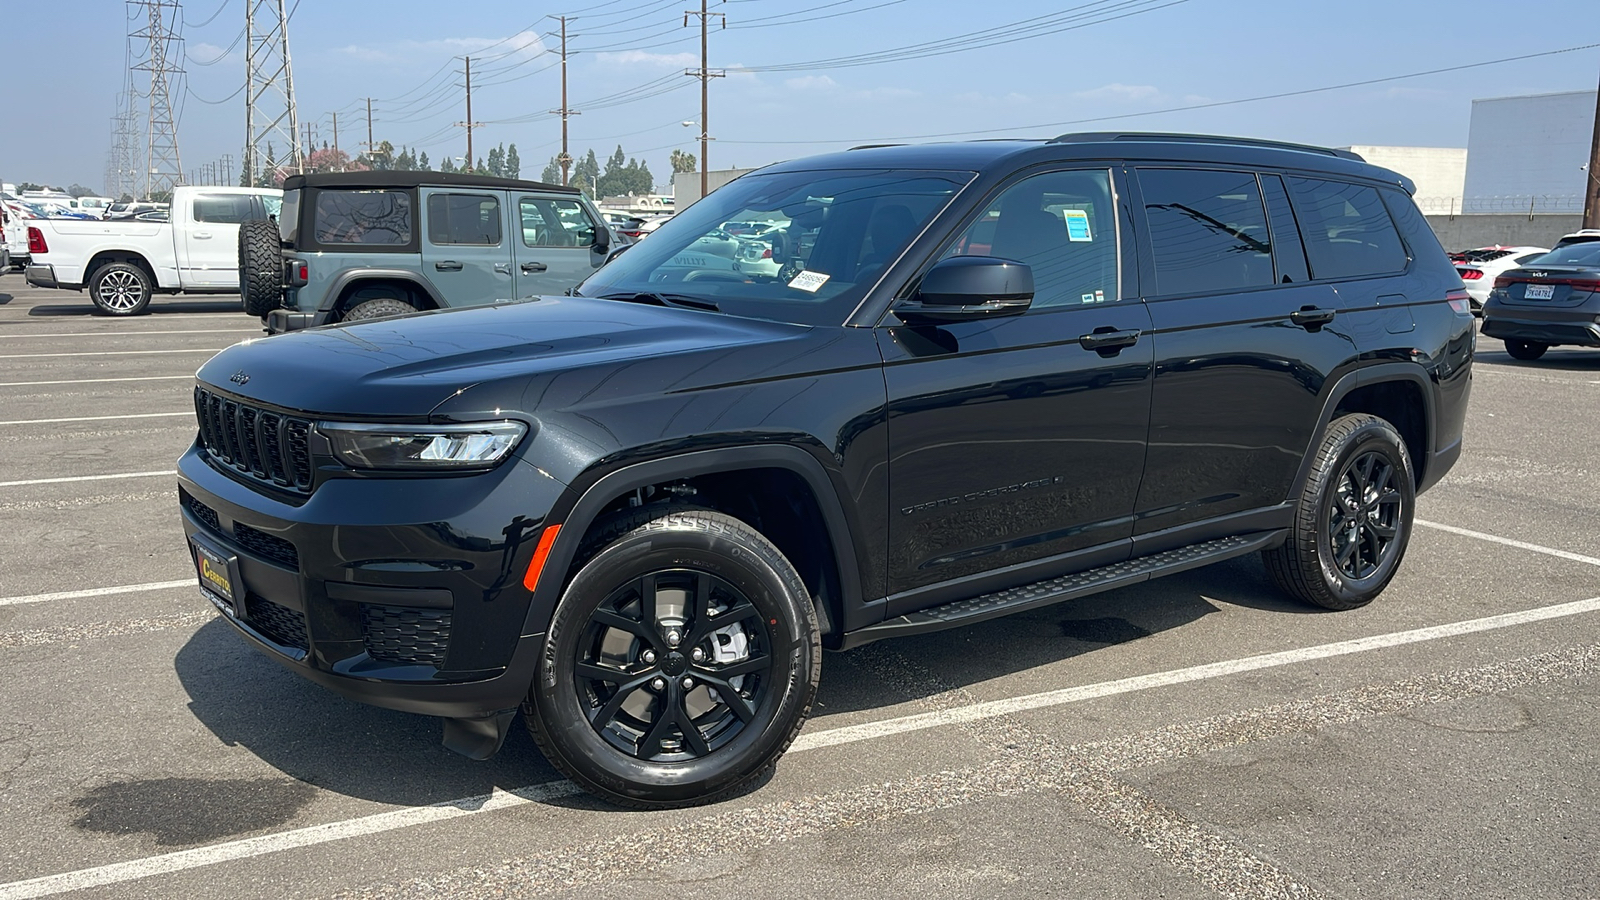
(647, 601)
(617, 620)
(1386, 532)
(754, 665)
(597, 672)
(691, 734)
(733, 615)
(666, 717)
(605, 714)
(731, 697)
(1342, 556)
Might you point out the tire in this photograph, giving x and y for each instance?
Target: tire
(380, 308)
(260, 267)
(1526, 350)
(1337, 555)
(121, 289)
(750, 631)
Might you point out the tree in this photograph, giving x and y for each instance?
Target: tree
(497, 161)
(449, 165)
(406, 161)
(481, 168)
(30, 186)
(422, 162)
(327, 160)
(586, 172)
(513, 164)
(380, 157)
(552, 172)
(78, 190)
(625, 176)
(683, 162)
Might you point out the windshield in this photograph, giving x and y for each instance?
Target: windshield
(798, 247)
(1571, 255)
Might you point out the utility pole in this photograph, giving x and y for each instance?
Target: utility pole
(369, 125)
(270, 115)
(565, 158)
(163, 167)
(1591, 193)
(227, 168)
(469, 123)
(705, 75)
(336, 131)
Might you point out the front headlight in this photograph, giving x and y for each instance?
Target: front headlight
(422, 446)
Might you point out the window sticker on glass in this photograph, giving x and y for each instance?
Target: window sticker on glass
(1077, 225)
(809, 281)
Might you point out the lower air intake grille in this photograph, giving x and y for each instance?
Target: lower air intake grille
(205, 514)
(399, 634)
(280, 624)
(266, 545)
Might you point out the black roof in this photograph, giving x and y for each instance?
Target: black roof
(409, 179)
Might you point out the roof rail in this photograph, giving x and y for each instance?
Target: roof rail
(873, 146)
(1095, 137)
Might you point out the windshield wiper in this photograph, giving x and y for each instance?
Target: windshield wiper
(675, 300)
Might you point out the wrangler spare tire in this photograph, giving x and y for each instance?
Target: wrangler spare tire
(260, 267)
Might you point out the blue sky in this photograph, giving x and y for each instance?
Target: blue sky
(1168, 54)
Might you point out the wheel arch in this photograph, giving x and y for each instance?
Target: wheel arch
(348, 287)
(1399, 393)
(131, 257)
(826, 563)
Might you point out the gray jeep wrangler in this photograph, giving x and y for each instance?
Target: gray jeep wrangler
(363, 245)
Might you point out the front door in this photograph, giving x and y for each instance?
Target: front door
(465, 253)
(555, 249)
(210, 244)
(1010, 441)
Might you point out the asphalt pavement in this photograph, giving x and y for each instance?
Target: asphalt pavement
(1196, 736)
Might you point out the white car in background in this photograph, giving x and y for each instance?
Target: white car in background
(14, 230)
(1479, 268)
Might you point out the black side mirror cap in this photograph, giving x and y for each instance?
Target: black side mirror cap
(965, 288)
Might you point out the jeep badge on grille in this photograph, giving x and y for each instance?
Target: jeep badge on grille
(239, 377)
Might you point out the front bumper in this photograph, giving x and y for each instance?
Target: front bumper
(404, 593)
(41, 275)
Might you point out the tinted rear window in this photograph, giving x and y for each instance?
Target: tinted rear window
(381, 218)
(1347, 230)
(223, 209)
(1208, 230)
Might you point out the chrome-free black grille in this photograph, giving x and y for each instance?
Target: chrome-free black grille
(404, 635)
(205, 514)
(266, 545)
(279, 623)
(265, 445)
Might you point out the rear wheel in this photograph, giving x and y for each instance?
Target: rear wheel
(682, 660)
(1528, 350)
(260, 267)
(379, 308)
(120, 289)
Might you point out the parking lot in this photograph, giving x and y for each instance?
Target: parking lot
(1196, 736)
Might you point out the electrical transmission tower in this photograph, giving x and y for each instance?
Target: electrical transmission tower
(163, 168)
(122, 163)
(271, 122)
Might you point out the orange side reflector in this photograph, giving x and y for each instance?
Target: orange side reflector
(546, 541)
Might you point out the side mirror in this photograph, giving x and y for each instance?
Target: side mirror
(966, 288)
(602, 239)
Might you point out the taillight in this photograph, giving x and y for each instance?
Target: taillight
(1503, 282)
(36, 242)
(767, 253)
(1470, 274)
(1460, 301)
(303, 273)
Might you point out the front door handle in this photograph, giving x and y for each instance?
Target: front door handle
(1311, 318)
(1108, 341)
(448, 265)
(530, 268)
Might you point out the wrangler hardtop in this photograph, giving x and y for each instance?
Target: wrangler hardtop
(972, 379)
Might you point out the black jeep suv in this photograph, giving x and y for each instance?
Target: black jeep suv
(971, 379)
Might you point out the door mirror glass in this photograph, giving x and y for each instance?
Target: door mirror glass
(961, 288)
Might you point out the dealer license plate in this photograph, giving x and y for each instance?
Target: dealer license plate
(216, 574)
(1539, 292)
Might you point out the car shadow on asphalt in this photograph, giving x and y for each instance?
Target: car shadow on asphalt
(6, 298)
(1557, 359)
(156, 308)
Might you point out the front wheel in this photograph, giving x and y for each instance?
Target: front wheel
(120, 289)
(1526, 350)
(1353, 517)
(682, 660)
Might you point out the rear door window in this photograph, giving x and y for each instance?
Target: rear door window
(1208, 230)
(1346, 228)
(464, 219)
(381, 218)
(223, 209)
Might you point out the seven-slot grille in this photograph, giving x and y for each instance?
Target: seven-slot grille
(262, 444)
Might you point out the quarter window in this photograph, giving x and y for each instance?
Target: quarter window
(363, 217)
(1064, 226)
(1208, 230)
(464, 219)
(555, 223)
(1347, 229)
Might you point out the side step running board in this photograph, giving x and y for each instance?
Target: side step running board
(1065, 587)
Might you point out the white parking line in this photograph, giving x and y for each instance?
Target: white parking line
(113, 353)
(187, 412)
(96, 592)
(75, 334)
(96, 380)
(1520, 545)
(86, 478)
(116, 873)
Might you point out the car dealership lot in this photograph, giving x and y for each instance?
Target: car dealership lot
(1194, 736)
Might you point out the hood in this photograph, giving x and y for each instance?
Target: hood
(406, 367)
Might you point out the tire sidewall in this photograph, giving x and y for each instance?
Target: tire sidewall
(1374, 435)
(350, 315)
(794, 648)
(100, 274)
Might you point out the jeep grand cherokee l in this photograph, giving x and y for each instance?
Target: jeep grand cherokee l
(983, 378)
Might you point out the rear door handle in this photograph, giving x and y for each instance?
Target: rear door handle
(448, 265)
(530, 268)
(1108, 341)
(202, 235)
(1311, 318)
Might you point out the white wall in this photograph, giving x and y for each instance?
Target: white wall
(1440, 172)
(1527, 148)
(686, 185)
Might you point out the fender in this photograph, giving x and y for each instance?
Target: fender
(586, 508)
(350, 276)
(1366, 377)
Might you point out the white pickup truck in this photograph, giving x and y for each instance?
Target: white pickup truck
(124, 263)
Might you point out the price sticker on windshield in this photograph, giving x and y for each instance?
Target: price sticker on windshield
(809, 281)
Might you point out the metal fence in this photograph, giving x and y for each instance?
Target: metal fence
(1538, 204)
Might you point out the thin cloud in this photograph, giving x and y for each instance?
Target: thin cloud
(523, 45)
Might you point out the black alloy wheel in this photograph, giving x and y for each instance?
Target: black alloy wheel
(681, 660)
(1352, 517)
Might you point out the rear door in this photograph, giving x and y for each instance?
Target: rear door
(209, 243)
(464, 250)
(555, 245)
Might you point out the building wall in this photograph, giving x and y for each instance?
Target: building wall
(1523, 150)
(1514, 230)
(1440, 172)
(686, 185)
